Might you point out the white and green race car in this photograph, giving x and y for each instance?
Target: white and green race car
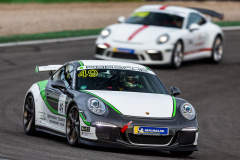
(112, 104)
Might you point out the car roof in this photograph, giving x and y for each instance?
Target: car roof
(183, 11)
(109, 63)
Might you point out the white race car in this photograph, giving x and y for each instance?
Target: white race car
(157, 34)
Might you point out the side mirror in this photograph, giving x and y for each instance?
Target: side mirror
(175, 91)
(121, 19)
(194, 26)
(59, 84)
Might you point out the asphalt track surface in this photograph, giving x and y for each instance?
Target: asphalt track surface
(212, 89)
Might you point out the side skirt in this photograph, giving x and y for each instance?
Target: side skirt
(50, 131)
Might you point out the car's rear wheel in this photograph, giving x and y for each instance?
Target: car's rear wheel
(181, 153)
(29, 115)
(217, 50)
(73, 125)
(177, 55)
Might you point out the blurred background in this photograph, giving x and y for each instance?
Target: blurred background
(211, 89)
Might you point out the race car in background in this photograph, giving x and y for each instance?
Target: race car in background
(111, 104)
(157, 34)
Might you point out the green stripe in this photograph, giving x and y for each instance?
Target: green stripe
(147, 68)
(102, 100)
(84, 120)
(81, 64)
(174, 106)
(42, 86)
(36, 69)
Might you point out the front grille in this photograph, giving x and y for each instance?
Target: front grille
(124, 55)
(99, 50)
(107, 133)
(146, 139)
(156, 56)
(186, 137)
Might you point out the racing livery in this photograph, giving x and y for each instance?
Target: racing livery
(162, 35)
(112, 104)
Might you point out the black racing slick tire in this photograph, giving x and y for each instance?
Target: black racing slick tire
(29, 115)
(177, 55)
(217, 50)
(73, 126)
(181, 153)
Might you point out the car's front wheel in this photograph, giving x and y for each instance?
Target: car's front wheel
(181, 153)
(217, 50)
(177, 55)
(73, 125)
(29, 115)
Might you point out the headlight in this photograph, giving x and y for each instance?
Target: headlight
(162, 39)
(188, 111)
(105, 32)
(96, 106)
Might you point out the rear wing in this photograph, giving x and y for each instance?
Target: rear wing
(48, 68)
(210, 13)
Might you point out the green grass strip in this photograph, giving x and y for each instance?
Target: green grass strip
(84, 120)
(76, 33)
(102, 100)
(42, 86)
(228, 23)
(174, 107)
(63, 1)
(50, 35)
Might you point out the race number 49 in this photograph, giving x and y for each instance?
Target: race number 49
(61, 104)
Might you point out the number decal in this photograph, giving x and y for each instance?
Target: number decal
(61, 104)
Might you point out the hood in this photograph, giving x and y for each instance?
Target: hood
(137, 104)
(135, 33)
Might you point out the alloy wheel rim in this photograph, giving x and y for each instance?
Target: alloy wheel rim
(73, 125)
(218, 50)
(28, 113)
(178, 55)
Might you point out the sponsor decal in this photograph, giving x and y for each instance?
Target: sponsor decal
(86, 129)
(56, 120)
(147, 113)
(61, 104)
(140, 14)
(90, 73)
(150, 130)
(124, 50)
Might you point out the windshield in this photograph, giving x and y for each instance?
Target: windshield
(118, 80)
(156, 19)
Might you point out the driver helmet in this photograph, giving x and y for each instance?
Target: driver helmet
(130, 81)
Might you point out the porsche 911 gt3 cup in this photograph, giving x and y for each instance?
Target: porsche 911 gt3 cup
(112, 104)
(156, 35)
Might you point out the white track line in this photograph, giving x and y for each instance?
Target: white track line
(48, 41)
(77, 39)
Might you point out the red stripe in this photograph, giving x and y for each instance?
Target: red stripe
(137, 31)
(163, 7)
(108, 45)
(200, 50)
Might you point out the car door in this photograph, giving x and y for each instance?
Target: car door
(57, 99)
(195, 40)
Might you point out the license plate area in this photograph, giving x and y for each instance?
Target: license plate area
(123, 50)
(157, 131)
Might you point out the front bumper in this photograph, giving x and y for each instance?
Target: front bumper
(140, 55)
(179, 139)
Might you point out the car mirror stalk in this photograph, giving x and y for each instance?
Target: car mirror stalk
(175, 91)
